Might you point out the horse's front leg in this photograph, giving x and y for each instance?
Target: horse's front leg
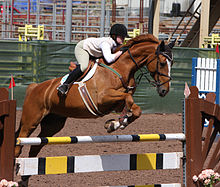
(130, 112)
(128, 116)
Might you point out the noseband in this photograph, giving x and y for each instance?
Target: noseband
(145, 74)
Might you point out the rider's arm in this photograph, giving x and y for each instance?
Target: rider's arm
(106, 51)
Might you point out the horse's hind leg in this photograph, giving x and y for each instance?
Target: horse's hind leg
(50, 125)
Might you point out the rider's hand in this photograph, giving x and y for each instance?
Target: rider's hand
(124, 49)
(118, 54)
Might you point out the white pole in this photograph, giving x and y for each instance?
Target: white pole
(102, 24)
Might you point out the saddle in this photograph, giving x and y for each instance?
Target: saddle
(87, 99)
(72, 66)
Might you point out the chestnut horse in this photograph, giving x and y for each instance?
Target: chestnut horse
(110, 90)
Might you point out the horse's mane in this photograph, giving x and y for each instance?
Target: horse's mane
(142, 38)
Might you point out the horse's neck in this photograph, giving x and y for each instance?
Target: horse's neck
(125, 64)
(125, 69)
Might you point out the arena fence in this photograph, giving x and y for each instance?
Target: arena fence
(206, 76)
(199, 150)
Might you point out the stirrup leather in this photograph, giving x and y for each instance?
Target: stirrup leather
(87, 99)
(63, 89)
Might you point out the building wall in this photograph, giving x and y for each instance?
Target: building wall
(165, 5)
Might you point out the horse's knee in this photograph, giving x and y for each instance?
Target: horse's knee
(129, 101)
(136, 111)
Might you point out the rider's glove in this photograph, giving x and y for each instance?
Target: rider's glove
(124, 49)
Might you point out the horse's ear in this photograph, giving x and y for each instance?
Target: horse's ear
(171, 44)
(162, 46)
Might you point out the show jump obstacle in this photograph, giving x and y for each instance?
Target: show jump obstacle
(7, 138)
(196, 155)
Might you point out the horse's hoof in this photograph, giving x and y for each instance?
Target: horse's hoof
(107, 123)
(111, 125)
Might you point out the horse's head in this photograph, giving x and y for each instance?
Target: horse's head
(147, 51)
(159, 65)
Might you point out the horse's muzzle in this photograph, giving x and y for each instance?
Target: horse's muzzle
(162, 90)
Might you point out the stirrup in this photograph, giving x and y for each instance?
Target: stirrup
(63, 89)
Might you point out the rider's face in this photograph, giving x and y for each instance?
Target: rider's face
(120, 39)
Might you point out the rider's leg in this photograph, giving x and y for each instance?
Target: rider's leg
(73, 76)
(82, 58)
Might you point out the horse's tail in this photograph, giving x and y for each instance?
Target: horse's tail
(30, 88)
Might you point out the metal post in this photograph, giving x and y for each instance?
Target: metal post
(54, 22)
(108, 19)
(28, 12)
(11, 18)
(3, 20)
(126, 16)
(102, 24)
(7, 18)
(113, 11)
(68, 25)
(141, 20)
(87, 17)
(38, 13)
(151, 16)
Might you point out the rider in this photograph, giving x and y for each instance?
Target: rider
(95, 47)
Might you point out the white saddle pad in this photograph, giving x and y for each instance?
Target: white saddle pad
(86, 78)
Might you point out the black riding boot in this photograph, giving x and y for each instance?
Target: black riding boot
(73, 76)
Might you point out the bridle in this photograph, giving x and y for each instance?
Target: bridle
(145, 74)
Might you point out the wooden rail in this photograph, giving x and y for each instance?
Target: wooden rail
(200, 140)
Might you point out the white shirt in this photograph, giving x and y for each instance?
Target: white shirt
(98, 47)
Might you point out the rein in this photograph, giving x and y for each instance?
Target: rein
(118, 74)
(145, 74)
